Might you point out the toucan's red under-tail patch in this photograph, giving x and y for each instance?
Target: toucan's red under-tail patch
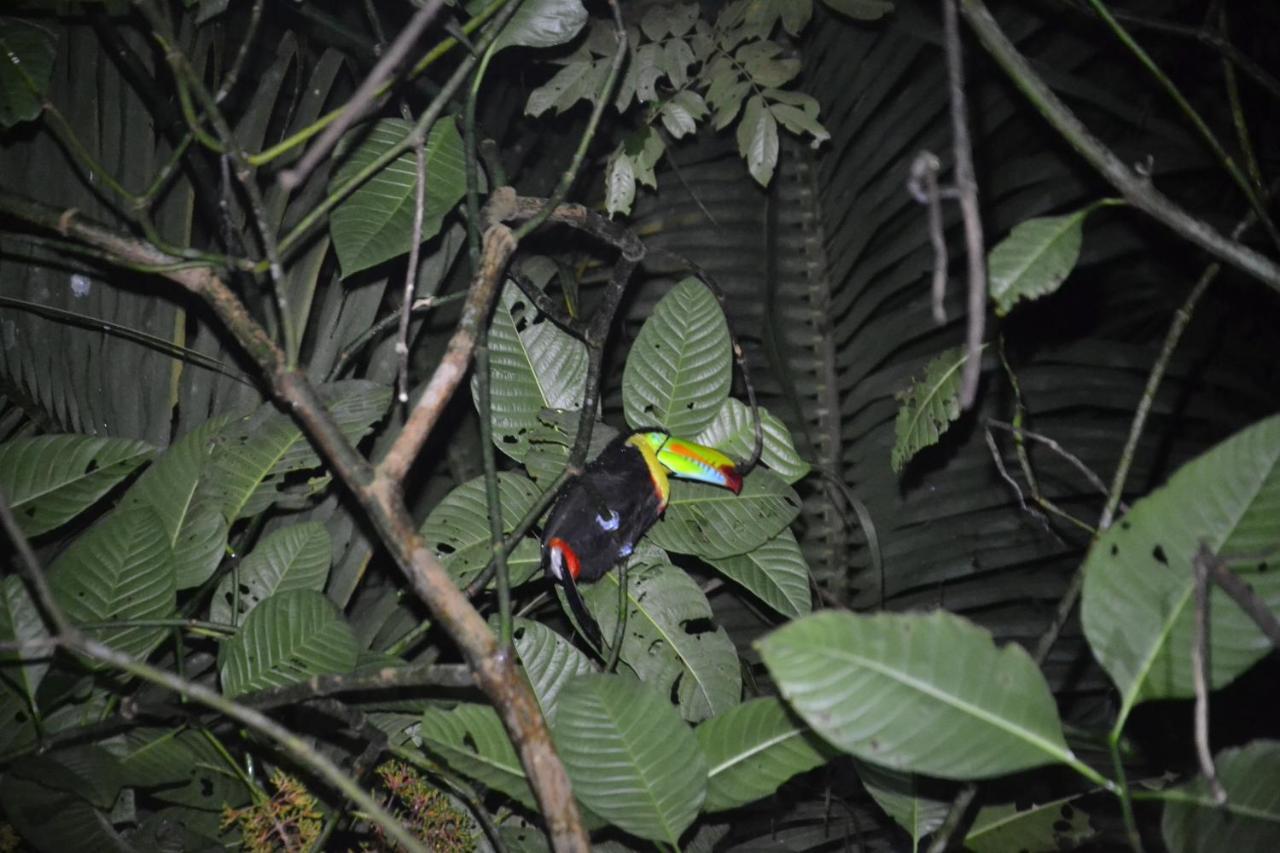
(571, 561)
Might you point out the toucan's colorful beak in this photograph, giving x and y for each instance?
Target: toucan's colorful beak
(691, 461)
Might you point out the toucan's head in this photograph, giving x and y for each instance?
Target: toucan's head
(690, 461)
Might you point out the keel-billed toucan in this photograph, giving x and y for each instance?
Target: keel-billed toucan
(601, 514)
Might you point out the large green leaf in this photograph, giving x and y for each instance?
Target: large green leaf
(52, 821)
(458, 528)
(179, 766)
(533, 365)
(928, 407)
(27, 50)
(295, 557)
(87, 771)
(661, 644)
(119, 570)
(927, 693)
(153, 757)
(375, 222)
(678, 372)
(1138, 609)
(1249, 820)
(1055, 825)
(1035, 258)
(899, 794)
(542, 23)
(631, 759)
(551, 440)
(775, 572)
(50, 479)
(21, 622)
(195, 529)
(252, 456)
(712, 522)
(754, 748)
(289, 637)
(471, 741)
(550, 661)
(733, 431)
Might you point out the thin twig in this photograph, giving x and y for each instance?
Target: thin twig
(967, 191)
(229, 82)
(364, 97)
(923, 186)
(411, 274)
(387, 678)
(1075, 461)
(1136, 188)
(1200, 651)
(1244, 595)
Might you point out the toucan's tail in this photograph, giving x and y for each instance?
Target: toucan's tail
(590, 629)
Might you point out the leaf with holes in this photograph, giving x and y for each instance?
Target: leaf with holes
(375, 222)
(194, 528)
(550, 661)
(671, 641)
(50, 479)
(678, 371)
(776, 573)
(733, 432)
(27, 51)
(294, 557)
(1138, 601)
(712, 522)
(1035, 258)
(251, 456)
(533, 365)
(1055, 825)
(542, 23)
(631, 759)
(753, 748)
(1250, 818)
(458, 528)
(928, 407)
(471, 741)
(120, 570)
(551, 441)
(929, 694)
(288, 638)
(21, 622)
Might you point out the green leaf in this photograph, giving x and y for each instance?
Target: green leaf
(861, 10)
(619, 184)
(928, 407)
(1249, 820)
(458, 528)
(550, 661)
(20, 622)
(1035, 258)
(752, 749)
(677, 120)
(758, 140)
(153, 757)
(631, 759)
(533, 365)
(1055, 825)
(1138, 601)
(201, 783)
(194, 528)
(776, 573)
(52, 821)
(121, 569)
(796, 15)
(899, 795)
(288, 638)
(678, 371)
(542, 23)
(929, 694)
(87, 771)
(677, 56)
(375, 222)
(733, 432)
(294, 557)
(551, 441)
(27, 51)
(799, 122)
(562, 91)
(50, 479)
(471, 741)
(713, 523)
(252, 455)
(654, 23)
(663, 605)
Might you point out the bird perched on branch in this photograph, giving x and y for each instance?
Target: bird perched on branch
(601, 514)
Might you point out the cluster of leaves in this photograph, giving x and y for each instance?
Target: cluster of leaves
(682, 71)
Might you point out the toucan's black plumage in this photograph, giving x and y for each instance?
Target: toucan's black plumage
(601, 515)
